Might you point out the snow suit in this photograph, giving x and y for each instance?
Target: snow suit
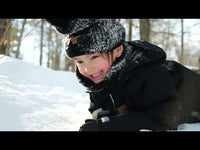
(138, 93)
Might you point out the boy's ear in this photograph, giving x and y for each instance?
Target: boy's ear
(118, 51)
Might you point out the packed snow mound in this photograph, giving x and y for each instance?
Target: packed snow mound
(19, 71)
(34, 98)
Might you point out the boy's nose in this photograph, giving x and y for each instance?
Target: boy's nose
(88, 70)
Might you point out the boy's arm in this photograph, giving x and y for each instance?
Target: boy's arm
(158, 106)
(122, 122)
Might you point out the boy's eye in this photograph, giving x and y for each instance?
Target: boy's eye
(94, 57)
(79, 62)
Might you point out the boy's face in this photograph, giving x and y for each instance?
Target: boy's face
(95, 66)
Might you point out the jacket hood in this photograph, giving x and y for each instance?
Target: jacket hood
(135, 55)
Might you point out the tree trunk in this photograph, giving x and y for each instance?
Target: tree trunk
(182, 42)
(41, 40)
(49, 45)
(9, 38)
(167, 39)
(130, 29)
(4, 26)
(145, 29)
(20, 39)
(57, 53)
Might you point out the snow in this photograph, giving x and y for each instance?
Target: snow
(34, 98)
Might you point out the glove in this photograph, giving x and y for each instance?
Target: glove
(90, 125)
(122, 122)
(104, 123)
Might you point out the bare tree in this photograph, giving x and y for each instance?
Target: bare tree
(130, 29)
(20, 39)
(182, 42)
(57, 53)
(41, 40)
(9, 38)
(49, 40)
(145, 29)
(162, 33)
(4, 27)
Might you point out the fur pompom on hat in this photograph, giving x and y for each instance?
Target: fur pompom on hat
(88, 36)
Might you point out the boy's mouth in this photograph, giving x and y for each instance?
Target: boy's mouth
(96, 75)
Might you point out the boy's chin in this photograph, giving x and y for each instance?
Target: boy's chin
(97, 81)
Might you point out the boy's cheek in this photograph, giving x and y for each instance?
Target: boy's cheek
(83, 73)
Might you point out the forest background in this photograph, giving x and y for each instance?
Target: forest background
(37, 42)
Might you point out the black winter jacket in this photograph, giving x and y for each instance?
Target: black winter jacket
(138, 91)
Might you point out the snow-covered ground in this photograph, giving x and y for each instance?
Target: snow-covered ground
(33, 98)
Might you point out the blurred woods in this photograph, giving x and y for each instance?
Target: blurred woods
(170, 34)
(49, 43)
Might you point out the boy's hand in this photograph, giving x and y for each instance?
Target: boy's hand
(104, 123)
(90, 125)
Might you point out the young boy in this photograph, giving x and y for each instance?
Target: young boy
(130, 88)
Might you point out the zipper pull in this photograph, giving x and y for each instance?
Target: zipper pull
(113, 102)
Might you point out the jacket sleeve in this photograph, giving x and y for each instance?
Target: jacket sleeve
(123, 122)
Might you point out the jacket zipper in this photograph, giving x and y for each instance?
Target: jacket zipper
(113, 103)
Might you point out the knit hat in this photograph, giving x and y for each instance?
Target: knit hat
(87, 36)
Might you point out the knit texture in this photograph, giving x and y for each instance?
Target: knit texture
(88, 36)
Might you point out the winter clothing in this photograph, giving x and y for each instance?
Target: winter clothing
(187, 84)
(87, 36)
(141, 90)
(140, 82)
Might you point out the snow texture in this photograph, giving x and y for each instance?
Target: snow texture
(33, 98)
(101, 36)
(71, 26)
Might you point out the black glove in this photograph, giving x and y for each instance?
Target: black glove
(90, 125)
(104, 123)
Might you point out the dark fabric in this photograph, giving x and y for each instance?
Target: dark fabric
(128, 122)
(140, 81)
(188, 85)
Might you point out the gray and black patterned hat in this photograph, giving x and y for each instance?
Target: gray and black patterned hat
(87, 36)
